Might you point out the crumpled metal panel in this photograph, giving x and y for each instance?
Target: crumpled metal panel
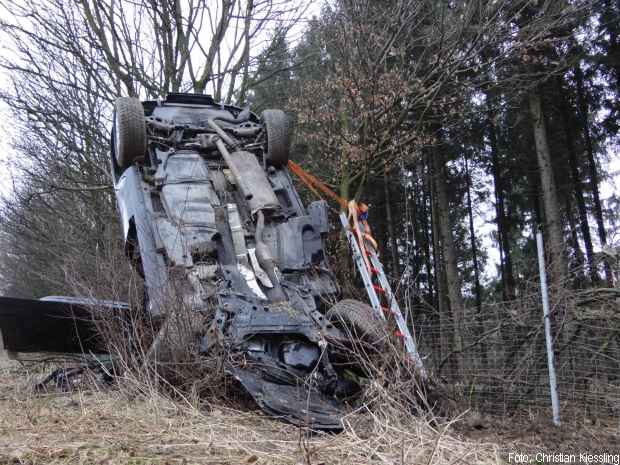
(300, 405)
(251, 316)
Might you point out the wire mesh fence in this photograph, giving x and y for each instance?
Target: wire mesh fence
(495, 359)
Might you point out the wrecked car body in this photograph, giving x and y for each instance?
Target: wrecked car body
(208, 208)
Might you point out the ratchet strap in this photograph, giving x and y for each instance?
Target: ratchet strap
(313, 183)
(354, 210)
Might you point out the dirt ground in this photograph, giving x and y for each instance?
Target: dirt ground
(108, 426)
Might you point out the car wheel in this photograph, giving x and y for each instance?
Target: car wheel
(130, 131)
(278, 131)
(358, 321)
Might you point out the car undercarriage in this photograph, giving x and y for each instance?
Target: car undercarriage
(210, 214)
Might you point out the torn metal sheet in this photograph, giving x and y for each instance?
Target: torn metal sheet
(297, 404)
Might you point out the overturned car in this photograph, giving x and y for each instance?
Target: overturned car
(208, 207)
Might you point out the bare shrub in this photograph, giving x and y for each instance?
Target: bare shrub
(152, 356)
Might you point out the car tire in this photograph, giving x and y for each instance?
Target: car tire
(358, 321)
(278, 131)
(130, 131)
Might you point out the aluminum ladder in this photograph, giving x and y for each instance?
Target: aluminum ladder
(381, 290)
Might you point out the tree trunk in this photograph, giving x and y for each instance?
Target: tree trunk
(503, 233)
(574, 240)
(472, 235)
(576, 181)
(474, 253)
(390, 226)
(427, 233)
(416, 249)
(446, 328)
(553, 225)
(453, 280)
(593, 174)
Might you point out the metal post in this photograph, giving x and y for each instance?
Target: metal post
(553, 386)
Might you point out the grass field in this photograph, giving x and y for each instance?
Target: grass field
(110, 426)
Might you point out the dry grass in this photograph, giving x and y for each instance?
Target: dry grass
(113, 427)
(108, 427)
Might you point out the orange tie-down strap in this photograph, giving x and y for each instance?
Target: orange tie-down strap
(316, 185)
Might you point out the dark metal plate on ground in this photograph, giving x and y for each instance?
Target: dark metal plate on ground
(60, 325)
(299, 405)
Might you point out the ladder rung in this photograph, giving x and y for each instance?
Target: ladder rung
(372, 272)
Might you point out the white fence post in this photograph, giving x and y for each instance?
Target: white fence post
(553, 386)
